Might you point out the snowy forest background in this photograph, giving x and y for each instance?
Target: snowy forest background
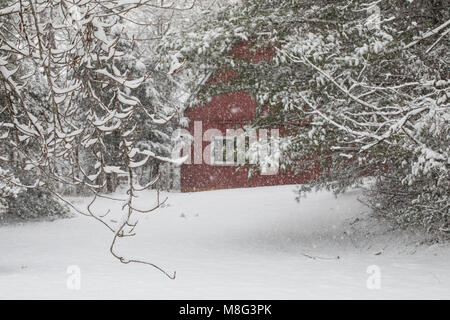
(91, 92)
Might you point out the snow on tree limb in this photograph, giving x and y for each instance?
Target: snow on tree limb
(67, 89)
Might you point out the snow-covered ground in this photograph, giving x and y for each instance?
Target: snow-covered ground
(228, 244)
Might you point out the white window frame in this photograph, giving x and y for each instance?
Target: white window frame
(224, 139)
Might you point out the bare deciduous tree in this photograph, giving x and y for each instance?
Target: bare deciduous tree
(64, 54)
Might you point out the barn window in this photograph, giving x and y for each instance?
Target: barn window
(224, 151)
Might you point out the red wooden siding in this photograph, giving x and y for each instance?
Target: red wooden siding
(228, 111)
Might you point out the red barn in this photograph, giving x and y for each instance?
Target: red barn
(208, 125)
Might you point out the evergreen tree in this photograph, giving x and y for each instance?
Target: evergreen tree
(362, 88)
